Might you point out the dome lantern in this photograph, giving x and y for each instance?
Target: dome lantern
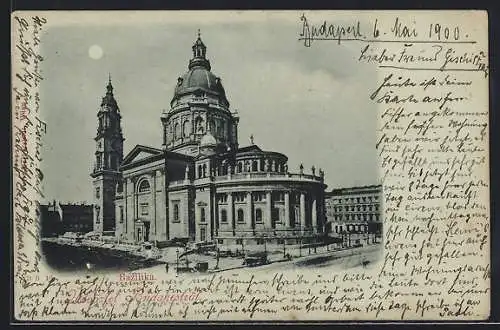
(199, 54)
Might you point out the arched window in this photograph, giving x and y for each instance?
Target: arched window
(204, 170)
(166, 136)
(186, 128)
(200, 171)
(176, 131)
(144, 186)
(199, 125)
(220, 128)
(211, 126)
(241, 216)
(258, 215)
(254, 166)
(223, 216)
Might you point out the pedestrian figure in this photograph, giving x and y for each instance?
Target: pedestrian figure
(166, 267)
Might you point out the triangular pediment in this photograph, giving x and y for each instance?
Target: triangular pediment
(140, 152)
(251, 148)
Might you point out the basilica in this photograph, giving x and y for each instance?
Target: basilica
(200, 185)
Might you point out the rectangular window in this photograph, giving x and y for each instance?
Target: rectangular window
(121, 214)
(202, 215)
(203, 235)
(220, 241)
(275, 215)
(144, 208)
(239, 197)
(258, 215)
(97, 192)
(239, 241)
(223, 216)
(98, 211)
(259, 197)
(175, 212)
(222, 199)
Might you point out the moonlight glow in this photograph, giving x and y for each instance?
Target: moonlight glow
(95, 52)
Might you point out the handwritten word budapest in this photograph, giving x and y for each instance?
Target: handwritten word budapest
(398, 31)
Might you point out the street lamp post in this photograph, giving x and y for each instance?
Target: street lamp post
(177, 251)
(300, 246)
(218, 256)
(284, 248)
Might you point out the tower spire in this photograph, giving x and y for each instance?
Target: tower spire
(108, 101)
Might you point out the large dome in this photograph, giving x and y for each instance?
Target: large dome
(199, 115)
(199, 78)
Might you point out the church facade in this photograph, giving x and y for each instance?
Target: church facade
(200, 185)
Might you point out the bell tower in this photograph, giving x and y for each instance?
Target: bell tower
(108, 158)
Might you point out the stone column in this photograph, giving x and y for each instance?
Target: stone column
(249, 210)
(134, 202)
(153, 233)
(230, 211)
(302, 210)
(268, 210)
(215, 215)
(314, 216)
(288, 222)
(130, 209)
(125, 213)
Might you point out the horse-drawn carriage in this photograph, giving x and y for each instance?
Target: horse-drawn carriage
(253, 259)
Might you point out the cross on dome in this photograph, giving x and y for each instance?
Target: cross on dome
(109, 87)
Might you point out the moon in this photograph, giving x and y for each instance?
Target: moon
(95, 52)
